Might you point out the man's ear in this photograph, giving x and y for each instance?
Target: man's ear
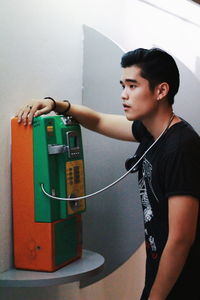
(162, 90)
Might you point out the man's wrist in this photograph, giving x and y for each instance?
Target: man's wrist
(58, 105)
(68, 107)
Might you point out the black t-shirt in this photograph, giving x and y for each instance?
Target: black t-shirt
(171, 167)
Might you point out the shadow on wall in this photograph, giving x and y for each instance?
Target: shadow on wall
(197, 67)
(187, 104)
(113, 223)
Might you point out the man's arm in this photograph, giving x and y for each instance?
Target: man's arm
(183, 214)
(114, 126)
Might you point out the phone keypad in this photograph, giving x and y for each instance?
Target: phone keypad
(75, 185)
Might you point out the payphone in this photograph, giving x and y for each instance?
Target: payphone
(47, 232)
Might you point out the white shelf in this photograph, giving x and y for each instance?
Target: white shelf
(90, 264)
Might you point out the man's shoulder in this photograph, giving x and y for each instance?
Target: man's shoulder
(186, 133)
(183, 137)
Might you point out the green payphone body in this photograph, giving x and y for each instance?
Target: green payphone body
(47, 232)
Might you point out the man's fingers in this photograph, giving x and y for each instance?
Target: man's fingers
(23, 113)
(34, 109)
(34, 112)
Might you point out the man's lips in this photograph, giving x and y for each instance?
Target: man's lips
(126, 106)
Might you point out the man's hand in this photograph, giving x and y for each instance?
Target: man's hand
(34, 109)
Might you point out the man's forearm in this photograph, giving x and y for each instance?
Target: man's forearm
(111, 125)
(84, 115)
(170, 267)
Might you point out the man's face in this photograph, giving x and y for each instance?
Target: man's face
(139, 101)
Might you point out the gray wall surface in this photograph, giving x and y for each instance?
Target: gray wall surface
(113, 223)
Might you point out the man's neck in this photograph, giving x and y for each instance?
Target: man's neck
(160, 121)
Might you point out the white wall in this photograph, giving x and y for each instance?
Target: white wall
(41, 54)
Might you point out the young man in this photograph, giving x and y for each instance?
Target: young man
(168, 174)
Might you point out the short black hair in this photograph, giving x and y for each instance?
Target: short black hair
(156, 66)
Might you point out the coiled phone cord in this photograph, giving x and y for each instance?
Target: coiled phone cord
(116, 181)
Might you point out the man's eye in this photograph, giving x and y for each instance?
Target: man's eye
(132, 86)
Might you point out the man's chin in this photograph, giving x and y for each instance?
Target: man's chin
(131, 118)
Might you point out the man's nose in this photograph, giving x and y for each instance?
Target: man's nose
(124, 94)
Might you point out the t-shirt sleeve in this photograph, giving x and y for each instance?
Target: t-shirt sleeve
(182, 174)
(139, 131)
